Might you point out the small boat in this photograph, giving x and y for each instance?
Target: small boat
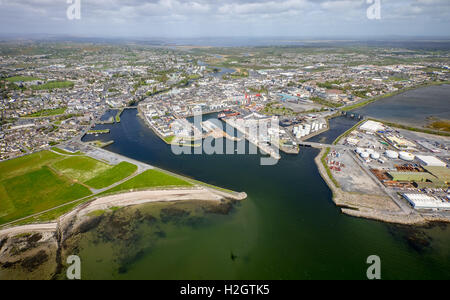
(221, 116)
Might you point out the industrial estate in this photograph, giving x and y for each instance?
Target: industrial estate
(53, 95)
(390, 174)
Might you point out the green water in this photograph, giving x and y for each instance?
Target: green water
(288, 228)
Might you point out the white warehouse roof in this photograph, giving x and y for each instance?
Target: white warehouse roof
(372, 126)
(430, 161)
(420, 201)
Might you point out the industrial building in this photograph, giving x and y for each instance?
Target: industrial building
(430, 161)
(372, 126)
(412, 176)
(434, 177)
(420, 201)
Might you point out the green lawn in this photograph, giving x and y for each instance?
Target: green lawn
(111, 176)
(36, 191)
(149, 179)
(6, 205)
(169, 139)
(81, 168)
(21, 78)
(47, 113)
(53, 85)
(44, 180)
(24, 164)
(51, 215)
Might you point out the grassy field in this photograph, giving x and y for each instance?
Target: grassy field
(51, 215)
(39, 182)
(169, 139)
(47, 113)
(24, 164)
(81, 168)
(146, 180)
(54, 85)
(149, 179)
(119, 113)
(113, 175)
(37, 191)
(326, 103)
(21, 78)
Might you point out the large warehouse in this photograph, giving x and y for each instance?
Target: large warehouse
(430, 161)
(420, 201)
(372, 126)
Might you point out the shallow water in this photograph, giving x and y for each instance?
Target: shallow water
(288, 228)
(412, 107)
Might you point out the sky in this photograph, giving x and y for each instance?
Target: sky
(227, 18)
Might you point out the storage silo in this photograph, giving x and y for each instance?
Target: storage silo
(391, 154)
(375, 155)
(406, 156)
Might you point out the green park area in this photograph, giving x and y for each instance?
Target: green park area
(149, 179)
(47, 113)
(21, 79)
(277, 109)
(54, 85)
(29, 185)
(37, 191)
(80, 168)
(44, 180)
(112, 175)
(44, 185)
(169, 139)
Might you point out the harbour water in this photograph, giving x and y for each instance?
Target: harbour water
(288, 228)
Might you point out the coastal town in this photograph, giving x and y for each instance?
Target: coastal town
(224, 148)
(51, 98)
(56, 98)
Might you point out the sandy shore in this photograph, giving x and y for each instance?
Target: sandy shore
(33, 228)
(123, 200)
(142, 197)
(34, 251)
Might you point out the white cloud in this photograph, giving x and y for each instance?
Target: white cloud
(206, 16)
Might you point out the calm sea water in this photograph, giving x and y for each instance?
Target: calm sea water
(288, 228)
(338, 126)
(412, 107)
